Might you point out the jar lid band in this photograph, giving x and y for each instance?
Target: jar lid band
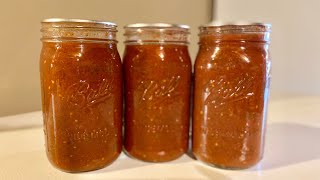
(78, 23)
(236, 26)
(57, 29)
(157, 25)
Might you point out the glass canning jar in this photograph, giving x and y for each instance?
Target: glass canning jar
(157, 70)
(232, 76)
(81, 86)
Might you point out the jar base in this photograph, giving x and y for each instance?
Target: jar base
(151, 161)
(226, 167)
(84, 170)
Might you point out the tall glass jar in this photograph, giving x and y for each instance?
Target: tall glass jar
(157, 70)
(81, 85)
(232, 75)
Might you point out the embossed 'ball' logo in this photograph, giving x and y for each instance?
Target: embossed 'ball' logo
(220, 91)
(160, 90)
(84, 94)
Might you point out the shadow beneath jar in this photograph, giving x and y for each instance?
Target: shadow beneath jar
(288, 144)
(191, 155)
(124, 163)
(189, 152)
(209, 173)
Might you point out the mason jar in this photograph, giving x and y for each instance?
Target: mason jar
(157, 69)
(232, 76)
(81, 85)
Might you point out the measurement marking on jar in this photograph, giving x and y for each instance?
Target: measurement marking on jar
(87, 135)
(239, 134)
(159, 128)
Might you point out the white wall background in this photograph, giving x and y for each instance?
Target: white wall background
(20, 36)
(295, 39)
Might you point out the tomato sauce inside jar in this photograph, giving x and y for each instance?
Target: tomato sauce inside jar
(157, 70)
(232, 72)
(81, 85)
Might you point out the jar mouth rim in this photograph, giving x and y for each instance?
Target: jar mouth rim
(236, 23)
(87, 22)
(236, 27)
(157, 26)
(240, 28)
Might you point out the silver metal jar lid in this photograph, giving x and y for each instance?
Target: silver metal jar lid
(85, 21)
(238, 23)
(157, 25)
(232, 27)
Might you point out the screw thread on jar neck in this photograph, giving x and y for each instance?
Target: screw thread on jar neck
(158, 33)
(78, 30)
(256, 32)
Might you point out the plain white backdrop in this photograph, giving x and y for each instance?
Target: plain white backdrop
(20, 36)
(295, 40)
